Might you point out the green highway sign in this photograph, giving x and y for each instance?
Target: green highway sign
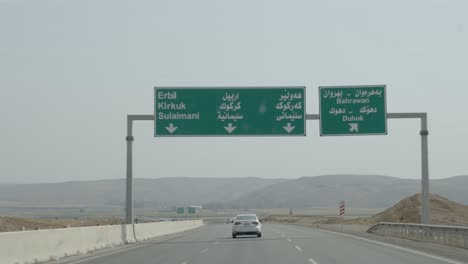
(353, 110)
(180, 210)
(191, 210)
(229, 111)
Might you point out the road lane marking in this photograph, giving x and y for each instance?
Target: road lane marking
(299, 248)
(289, 240)
(312, 261)
(185, 262)
(204, 251)
(104, 255)
(390, 245)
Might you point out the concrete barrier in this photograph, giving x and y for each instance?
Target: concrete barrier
(456, 236)
(150, 230)
(25, 247)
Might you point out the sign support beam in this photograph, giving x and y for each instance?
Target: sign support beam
(424, 159)
(129, 181)
(425, 216)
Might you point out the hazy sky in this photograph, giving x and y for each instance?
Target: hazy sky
(71, 70)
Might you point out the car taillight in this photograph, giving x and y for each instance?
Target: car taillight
(255, 223)
(237, 223)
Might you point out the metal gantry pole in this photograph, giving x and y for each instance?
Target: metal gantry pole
(129, 180)
(425, 215)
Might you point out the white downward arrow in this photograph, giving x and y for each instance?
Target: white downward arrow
(289, 128)
(353, 127)
(230, 128)
(171, 128)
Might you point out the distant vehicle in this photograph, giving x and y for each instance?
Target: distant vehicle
(246, 224)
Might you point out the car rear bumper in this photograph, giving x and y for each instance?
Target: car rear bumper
(248, 230)
(247, 233)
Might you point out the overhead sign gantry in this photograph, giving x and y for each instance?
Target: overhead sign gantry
(271, 111)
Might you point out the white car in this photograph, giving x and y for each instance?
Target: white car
(246, 224)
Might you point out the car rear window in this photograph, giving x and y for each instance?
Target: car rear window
(246, 217)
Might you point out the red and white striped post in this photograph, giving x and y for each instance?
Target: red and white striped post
(342, 213)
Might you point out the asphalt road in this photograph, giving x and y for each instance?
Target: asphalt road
(282, 244)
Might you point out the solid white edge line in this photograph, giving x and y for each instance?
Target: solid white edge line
(447, 260)
(312, 261)
(394, 246)
(104, 255)
(133, 246)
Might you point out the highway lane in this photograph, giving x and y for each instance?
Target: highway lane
(279, 244)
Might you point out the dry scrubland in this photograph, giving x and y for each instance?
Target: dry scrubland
(16, 224)
(443, 212)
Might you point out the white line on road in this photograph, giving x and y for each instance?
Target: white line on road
(289, 240)
(394, 246)
(312, 261)
(185, 262)
(299, 248)
(204, 251)
(105, 255)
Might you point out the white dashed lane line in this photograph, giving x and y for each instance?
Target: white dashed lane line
(204, 251)
(289, 240)
(299, 248)
(312, 261)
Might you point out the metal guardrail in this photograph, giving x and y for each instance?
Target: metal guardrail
(456, 236)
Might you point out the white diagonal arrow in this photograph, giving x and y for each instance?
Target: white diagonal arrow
(230, 128)
(171, 128)
(289, 128)
(354, 127)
